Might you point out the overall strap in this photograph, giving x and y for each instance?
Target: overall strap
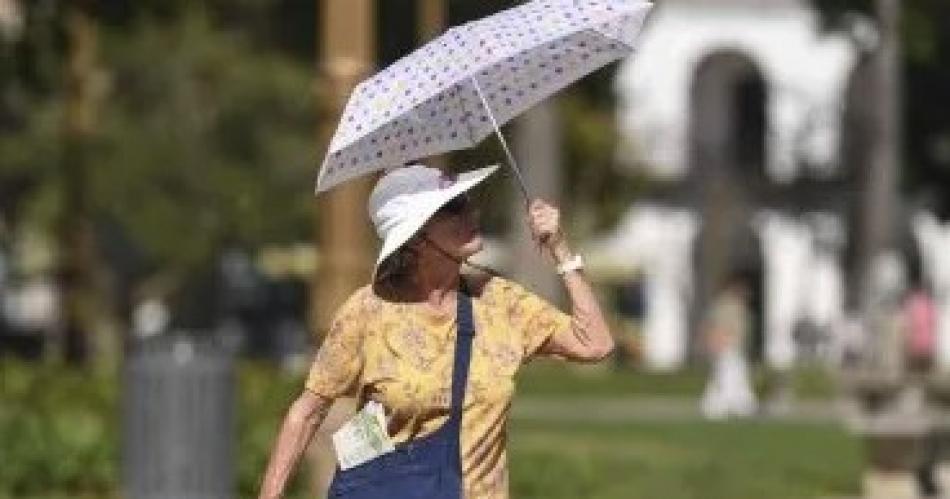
(463, 353)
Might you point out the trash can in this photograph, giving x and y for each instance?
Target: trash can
(178, 414)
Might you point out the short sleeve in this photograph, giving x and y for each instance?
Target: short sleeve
(532, 316)
(336, 369)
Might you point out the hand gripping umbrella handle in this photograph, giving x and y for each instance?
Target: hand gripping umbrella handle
(504, 144)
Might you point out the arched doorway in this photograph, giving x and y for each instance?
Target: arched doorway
(727, 160)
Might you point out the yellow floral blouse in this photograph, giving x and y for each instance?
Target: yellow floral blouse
(401, 355)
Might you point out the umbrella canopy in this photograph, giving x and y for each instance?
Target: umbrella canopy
(454, 91)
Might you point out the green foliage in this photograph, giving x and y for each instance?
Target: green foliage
(200, 134)
(599, 193)
(286, 26)
(265, 394)
(207, 140)
(59, 430)
(835, 11)
(925, 45)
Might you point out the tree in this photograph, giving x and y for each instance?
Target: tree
(203, 139)
(925, 34)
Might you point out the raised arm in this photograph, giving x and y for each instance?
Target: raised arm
(303, 418)
(588, 339)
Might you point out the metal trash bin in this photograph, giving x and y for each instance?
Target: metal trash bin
(178, 413)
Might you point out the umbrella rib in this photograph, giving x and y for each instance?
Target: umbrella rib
(466, 119)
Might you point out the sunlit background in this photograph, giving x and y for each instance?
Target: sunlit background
(166, 268)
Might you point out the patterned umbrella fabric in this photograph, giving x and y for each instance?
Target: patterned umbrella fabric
(456, 90)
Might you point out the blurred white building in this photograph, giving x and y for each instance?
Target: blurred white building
(740, 108)
(780, 42)
(11, 20)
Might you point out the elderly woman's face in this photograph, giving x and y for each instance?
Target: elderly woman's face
(454, 228)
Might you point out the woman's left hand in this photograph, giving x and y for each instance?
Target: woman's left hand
(588, 339)
(545, 222)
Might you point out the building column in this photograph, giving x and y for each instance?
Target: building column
(880, 201)
(668, 271)
(787, 248)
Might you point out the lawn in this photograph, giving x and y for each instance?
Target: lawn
(683, 461)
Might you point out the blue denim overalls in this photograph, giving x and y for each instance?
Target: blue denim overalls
(427, 468)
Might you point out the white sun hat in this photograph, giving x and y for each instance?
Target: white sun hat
(407, 197)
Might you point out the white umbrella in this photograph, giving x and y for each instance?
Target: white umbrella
(456, 90)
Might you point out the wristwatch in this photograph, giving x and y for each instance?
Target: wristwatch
(571, 264)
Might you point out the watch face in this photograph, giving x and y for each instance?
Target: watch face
(574, 263)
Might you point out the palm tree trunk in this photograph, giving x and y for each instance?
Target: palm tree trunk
(76, 243)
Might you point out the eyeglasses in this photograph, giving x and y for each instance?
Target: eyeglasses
(456, 206)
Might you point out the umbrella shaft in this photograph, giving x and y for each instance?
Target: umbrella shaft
(504, 144)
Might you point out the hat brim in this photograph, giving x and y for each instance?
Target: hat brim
(428, 204)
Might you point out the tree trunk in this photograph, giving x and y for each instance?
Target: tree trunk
(343, 233)
(76, 240)
(881, 206)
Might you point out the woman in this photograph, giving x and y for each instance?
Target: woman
(392, 342)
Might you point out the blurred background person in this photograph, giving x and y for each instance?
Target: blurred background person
(726, 329)
(920, 328)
